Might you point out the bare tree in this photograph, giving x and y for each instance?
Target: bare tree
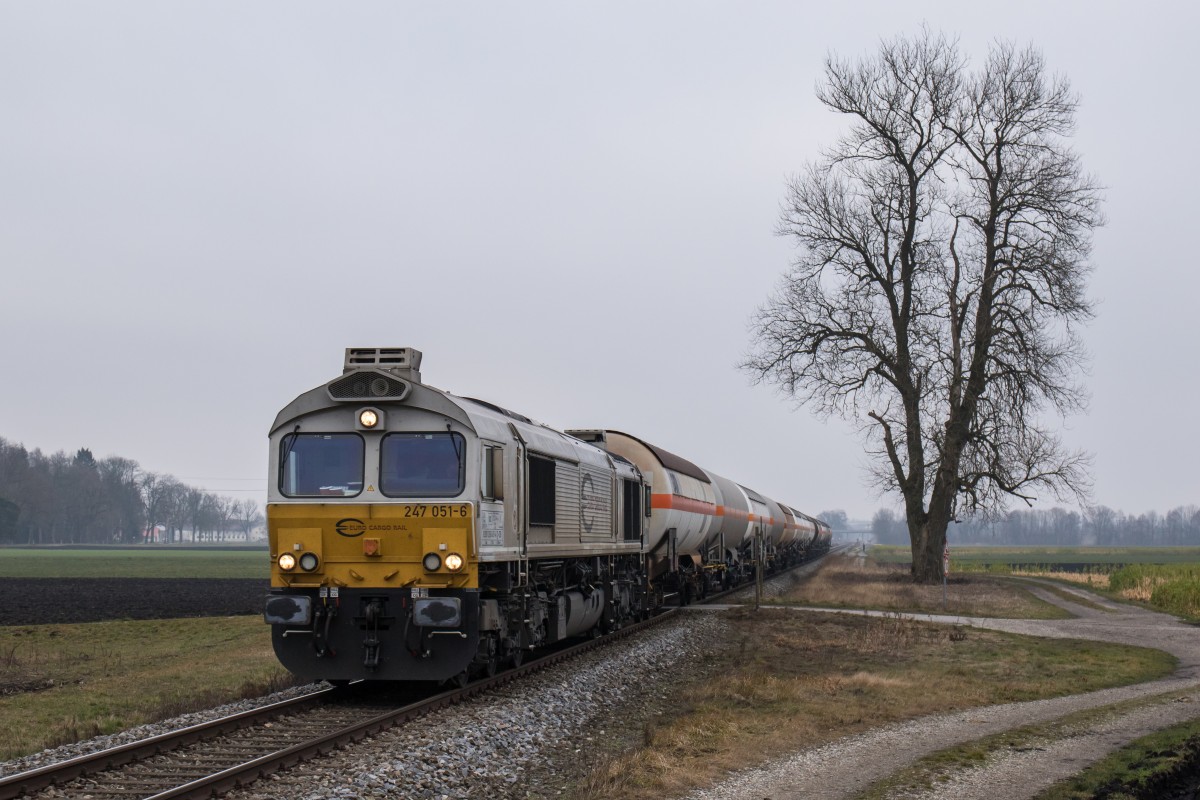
(835, 519)
(248, 516)
(943, 245)
(161, 494)
(126, 519)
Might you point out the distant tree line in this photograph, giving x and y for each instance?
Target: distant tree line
(63, 499)
(1094, 525)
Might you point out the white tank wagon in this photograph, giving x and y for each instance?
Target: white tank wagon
(735, 525)
(703, 526)
(799, 530)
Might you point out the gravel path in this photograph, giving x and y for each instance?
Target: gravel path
(845, 768)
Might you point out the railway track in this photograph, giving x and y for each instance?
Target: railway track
(212, 758)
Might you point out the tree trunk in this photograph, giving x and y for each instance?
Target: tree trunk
(927, 548)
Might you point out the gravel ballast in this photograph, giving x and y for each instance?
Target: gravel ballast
(505, 744)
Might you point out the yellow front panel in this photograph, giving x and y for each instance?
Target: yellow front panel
(405, 532)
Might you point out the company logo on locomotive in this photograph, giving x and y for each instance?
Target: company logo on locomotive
(350, 527)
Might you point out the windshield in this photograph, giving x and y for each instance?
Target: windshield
(422, 465)
(321, 465)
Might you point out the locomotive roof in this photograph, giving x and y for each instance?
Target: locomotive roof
(500, 410)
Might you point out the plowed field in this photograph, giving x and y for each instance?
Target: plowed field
(41, 601)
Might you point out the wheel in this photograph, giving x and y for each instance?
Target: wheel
(487, 660)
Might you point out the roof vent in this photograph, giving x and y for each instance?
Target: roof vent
(404, 362)
(597, 436)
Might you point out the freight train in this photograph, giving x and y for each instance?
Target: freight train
(420, 536)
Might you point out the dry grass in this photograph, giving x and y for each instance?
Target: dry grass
(1093, 580)
(789, 679)
(856, 582)
(62, 683)
(1143, 590)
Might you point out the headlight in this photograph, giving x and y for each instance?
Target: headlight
(309, 562)
(454, 562)
(431, 562)
(368, 418)
(287, 562)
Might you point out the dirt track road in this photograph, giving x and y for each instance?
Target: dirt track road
(847, 767)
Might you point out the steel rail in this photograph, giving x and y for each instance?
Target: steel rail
(40, 778)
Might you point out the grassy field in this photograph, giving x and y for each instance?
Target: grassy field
(792, 680)
(62, 683)
(964, 556)
(151, 562)
(1164, 578)
(865, 583)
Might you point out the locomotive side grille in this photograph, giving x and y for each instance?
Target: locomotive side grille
(367, 386)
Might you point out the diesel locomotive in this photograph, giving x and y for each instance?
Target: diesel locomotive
(418, 535)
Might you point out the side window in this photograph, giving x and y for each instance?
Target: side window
(541, 491)
(632, 516)
(491, 474)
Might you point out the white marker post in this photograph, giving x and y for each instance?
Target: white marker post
(945, 572)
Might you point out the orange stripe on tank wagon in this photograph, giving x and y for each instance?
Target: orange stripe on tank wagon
(680, 503)
(733, 513)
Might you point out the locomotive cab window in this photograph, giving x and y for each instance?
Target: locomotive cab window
(422, 464)
(321, 465)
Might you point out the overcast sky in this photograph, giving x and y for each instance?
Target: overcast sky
(568, 207)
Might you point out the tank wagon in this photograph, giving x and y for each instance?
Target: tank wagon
(418, 535)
